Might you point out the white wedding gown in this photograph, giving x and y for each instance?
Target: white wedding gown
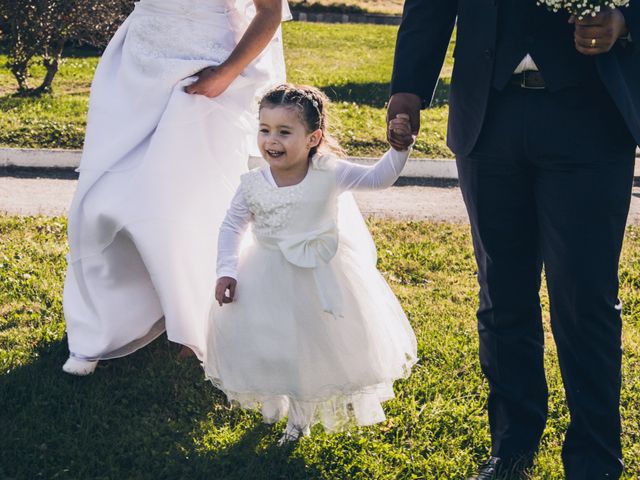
(158, 171)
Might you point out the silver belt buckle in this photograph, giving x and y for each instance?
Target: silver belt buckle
(523, 81)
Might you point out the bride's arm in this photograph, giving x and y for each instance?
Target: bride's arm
(212, 81)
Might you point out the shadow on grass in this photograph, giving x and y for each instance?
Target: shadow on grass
(254, 458)
(376, 94)
(143, 416)
(373, 94)
(84, 51)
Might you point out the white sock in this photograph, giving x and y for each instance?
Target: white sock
(293, 432)
(80, 367)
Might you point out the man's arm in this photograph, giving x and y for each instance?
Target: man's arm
(632, 18)
(421, 46)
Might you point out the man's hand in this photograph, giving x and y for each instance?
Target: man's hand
(407, 104)
(222, 285)
(400, 128)
(597, 35)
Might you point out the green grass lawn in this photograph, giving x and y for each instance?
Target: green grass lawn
(351, 63)
(150, 416)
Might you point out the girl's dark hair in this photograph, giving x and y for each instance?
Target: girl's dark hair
(311, 105)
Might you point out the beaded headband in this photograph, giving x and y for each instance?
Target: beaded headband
(300, 96)
(310, 97)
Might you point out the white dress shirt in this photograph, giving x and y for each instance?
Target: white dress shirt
(526, 64)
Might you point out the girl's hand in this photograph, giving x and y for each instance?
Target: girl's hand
(222, 285)
(403, 104)
(400, 131)
(212, 81)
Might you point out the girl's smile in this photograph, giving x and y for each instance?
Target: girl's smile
(274, 153)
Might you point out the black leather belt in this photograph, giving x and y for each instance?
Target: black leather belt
(529, 79)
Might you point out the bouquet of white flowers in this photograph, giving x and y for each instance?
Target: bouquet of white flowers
(583, 8)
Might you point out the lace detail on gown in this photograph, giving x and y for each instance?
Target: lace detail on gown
(180, 42)
(271, 205)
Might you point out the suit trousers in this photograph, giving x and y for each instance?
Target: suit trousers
(548, 183)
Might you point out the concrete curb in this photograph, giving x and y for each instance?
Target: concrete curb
(39, 158)
(70, 159)
(331, 17)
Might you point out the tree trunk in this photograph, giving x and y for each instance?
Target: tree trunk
(20, 55)
(21, 73)
(51, 61)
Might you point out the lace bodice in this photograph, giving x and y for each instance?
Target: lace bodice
(271, 206)
(286, 210)
(166, 35)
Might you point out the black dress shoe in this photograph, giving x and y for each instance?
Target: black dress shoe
(488, 470)
(497, 469)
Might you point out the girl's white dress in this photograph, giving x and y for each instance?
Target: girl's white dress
(155, 164)
(314, 331)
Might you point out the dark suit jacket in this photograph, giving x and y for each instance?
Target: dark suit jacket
(424, 35)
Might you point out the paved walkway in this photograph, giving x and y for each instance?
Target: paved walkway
(29, 192)
(25, 194)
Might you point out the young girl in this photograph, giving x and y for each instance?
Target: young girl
(312, 330)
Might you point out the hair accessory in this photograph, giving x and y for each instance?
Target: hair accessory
(314, 103)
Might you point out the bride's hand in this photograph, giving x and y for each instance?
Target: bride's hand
(212, 81)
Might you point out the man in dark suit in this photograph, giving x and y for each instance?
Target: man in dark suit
(544, 121)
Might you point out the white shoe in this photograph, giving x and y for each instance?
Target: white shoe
(77, 366)
(293, 433)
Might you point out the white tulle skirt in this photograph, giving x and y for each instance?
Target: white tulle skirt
(275, 348)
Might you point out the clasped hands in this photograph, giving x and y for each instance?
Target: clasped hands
(399, 132)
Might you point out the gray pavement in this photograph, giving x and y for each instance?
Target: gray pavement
(24, 192)
(42, 182)
(19, 158)
(41, 192)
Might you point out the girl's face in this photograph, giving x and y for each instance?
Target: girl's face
(283, 138)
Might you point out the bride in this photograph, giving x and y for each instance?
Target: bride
(170, 129)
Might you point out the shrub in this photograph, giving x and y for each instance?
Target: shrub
(41, 28)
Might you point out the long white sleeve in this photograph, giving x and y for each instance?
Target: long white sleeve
(230, 237)
(383, 174)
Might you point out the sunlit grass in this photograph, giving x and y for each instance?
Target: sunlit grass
(150, 416)
(351, 63)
